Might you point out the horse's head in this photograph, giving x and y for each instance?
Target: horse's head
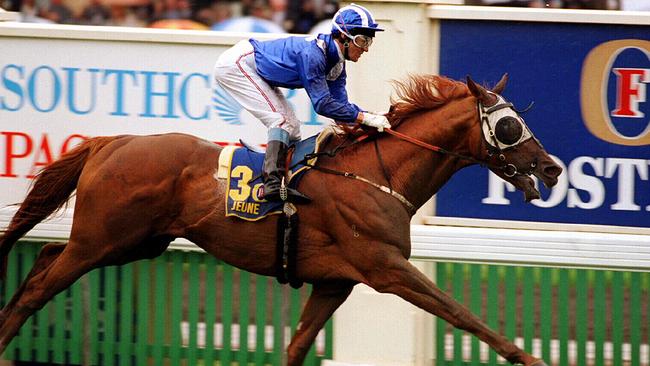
(513, 152)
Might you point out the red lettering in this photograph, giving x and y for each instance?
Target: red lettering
(630, 91)
(66, 144)
(19, 145)
(45, 150)
(10, 154)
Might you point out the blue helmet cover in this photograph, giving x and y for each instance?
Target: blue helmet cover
(353, 17)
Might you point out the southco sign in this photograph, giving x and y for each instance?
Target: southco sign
(119, 93)
(46, 88)
(613, 92)
(47, 108)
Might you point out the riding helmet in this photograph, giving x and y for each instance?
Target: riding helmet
(354, 19)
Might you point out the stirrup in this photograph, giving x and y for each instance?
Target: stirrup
(284, 192)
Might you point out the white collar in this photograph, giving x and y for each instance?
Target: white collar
(337, 70)
(338, 50)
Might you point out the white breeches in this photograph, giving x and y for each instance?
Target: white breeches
(236, 72)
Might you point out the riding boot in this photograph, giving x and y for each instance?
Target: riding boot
(274, 174)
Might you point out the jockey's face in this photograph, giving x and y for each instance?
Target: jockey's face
(355, 52)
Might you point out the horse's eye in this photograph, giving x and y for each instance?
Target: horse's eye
(508, 130)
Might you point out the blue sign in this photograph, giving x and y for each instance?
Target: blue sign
(589, 83)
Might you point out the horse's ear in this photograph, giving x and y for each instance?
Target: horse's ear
(478, 91)
(501, 85)
(473, 88)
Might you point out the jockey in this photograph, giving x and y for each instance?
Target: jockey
(252, 71)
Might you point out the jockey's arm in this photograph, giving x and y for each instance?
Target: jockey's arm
(338, 91)
(312, 72)
(373, 120)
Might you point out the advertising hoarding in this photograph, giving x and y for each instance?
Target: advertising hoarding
(588, 82)
(56, 92)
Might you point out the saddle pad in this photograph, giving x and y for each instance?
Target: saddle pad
(244, 176)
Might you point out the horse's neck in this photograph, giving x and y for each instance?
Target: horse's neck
(418, 173)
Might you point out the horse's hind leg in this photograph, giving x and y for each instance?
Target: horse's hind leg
(59, 266)
(401, 278)
(325, 298)
(47, 255)
(61, 272)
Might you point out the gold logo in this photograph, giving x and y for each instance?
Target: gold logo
(594, 85)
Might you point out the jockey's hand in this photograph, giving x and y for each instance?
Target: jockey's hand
(374, 120)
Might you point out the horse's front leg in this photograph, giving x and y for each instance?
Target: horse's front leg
(325, 298)
(397, 276)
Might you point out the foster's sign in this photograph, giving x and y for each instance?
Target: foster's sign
(589, 83)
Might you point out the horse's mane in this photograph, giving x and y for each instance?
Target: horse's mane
(416, 93)
(422, 92)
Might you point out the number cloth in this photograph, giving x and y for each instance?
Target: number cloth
(244, 169)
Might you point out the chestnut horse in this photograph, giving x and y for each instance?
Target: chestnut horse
(135, 194)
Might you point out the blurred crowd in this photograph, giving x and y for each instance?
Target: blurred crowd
(294, 16)
(569, 4)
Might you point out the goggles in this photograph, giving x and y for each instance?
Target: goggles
(360, 40)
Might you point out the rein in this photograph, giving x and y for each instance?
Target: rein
(509, 169)
(427, 146)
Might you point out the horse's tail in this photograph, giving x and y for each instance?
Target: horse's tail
(49, 192)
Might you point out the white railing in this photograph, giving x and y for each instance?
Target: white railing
(8, 15)
(477, 241)
(532, 243)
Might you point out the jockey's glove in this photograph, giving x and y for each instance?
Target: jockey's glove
(374, 120)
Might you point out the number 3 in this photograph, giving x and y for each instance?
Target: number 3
(242, 191)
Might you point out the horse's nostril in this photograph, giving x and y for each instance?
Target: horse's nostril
(552, 170)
